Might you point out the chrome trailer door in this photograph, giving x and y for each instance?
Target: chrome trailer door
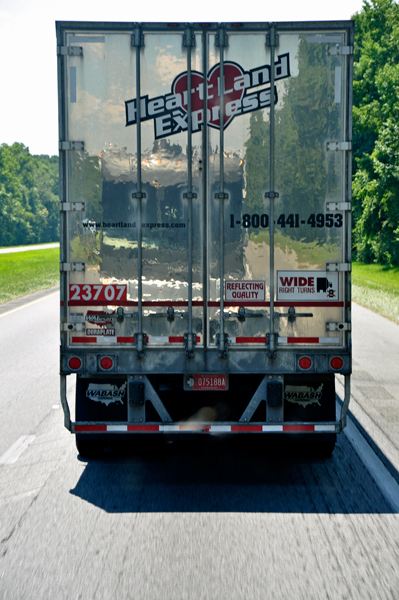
(277, 189)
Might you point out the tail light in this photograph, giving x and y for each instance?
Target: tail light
(75, 363)
(106, 363)
(336, 363)
(305, 363)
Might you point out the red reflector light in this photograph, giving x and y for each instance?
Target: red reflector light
(337, 362)
(74, 363)
(305, 362)
(106, 363)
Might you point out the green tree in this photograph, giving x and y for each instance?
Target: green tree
(257, 163)
(377, 206)
(307, 117)
(375, 113)
(28, 196)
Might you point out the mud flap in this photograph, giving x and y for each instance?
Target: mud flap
(100, 400)
(309, 398)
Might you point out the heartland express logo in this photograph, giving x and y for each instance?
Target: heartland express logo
(106, 393)
(169, 111)
(303, 395)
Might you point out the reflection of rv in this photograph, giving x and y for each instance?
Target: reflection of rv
(163, 177)
(165, 212)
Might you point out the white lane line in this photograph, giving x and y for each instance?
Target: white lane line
(29, 248)
(29, 304)
(378, 471)
(13, 453)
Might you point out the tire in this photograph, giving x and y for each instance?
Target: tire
(89, 448)
(313, 446)
(323, 448)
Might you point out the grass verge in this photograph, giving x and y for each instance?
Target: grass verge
(23, 273)
(376, 287)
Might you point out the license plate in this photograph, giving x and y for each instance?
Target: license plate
(209, 382)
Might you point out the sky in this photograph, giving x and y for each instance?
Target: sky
(28, 63)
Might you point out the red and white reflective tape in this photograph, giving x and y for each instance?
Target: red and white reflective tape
(284, 340)
(204, 428)
(247, 340)
(129, 340)
(164, 339)
(103, 340)
(307, 340)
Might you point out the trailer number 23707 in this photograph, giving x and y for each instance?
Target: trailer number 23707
(100, 293)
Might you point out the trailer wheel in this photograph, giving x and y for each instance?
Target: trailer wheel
(89, 448)
(314, 446)
(322, 448)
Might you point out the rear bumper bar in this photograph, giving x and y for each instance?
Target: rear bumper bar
(204, 427)
(210, 428)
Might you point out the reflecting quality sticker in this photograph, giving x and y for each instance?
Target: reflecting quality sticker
(250, 291)
(307, 285)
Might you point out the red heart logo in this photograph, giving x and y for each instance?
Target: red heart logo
(233, 92)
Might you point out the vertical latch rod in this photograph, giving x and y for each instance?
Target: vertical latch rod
(272, 41)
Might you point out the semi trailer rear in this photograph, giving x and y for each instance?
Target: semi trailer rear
(205, 201)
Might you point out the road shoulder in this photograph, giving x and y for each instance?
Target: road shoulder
(21, 302)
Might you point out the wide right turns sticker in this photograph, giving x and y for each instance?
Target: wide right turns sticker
(307, 285)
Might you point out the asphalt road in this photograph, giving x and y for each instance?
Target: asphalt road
(210, 519)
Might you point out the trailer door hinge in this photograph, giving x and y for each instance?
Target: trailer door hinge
(338, 206)
(189, 343)
(72, 326)
(140, 341)
(340, 50)
(222, 343)
(338, 326)
(75, 266)
(138, 37)
(71, 206)
(64, 145)
(69, 51)
(338, 267)
(189, 37)
(272, 38)
(335, 146)
(221, 37)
